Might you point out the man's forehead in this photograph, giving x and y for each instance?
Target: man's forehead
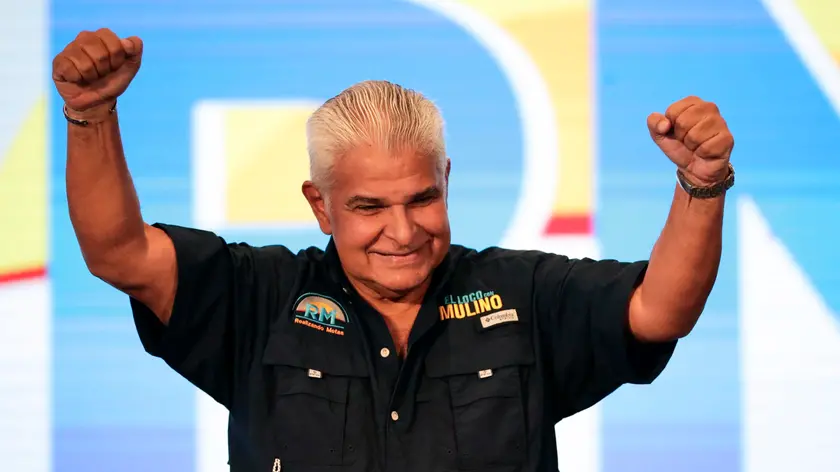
(359, 166)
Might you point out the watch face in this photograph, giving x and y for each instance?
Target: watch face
(684, 183)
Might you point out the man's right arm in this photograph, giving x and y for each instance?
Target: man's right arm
(117, 246)
(197, 301)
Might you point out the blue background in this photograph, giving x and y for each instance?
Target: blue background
(118, 409)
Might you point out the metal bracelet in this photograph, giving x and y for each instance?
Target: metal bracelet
(76, 122)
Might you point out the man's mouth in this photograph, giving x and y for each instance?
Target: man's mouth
(399, 255)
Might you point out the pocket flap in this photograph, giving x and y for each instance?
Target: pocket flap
(502, 382)
(334, 360)
(446, 359)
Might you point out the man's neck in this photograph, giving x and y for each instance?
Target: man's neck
(389, 302)
(399, 310)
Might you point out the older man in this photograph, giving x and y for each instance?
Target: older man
(391, 350)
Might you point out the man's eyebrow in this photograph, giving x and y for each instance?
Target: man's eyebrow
(430, 192)
(362, 200)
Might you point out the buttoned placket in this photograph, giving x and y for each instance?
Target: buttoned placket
(384, 367)
(390, 379)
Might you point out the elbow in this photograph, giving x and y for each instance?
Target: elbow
(660, 334)
(109, 255)
(109, 272)
(660, 331)
(655, 323)
(681, 330)
(114, 267)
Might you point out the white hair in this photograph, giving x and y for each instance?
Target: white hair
(377, 113)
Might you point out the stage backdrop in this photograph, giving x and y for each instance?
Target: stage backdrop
(545, 103)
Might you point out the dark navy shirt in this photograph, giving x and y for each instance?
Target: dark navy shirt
(506, 344)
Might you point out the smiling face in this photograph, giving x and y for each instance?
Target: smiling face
(386, 211)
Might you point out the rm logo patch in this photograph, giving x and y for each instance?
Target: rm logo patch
(321, 313)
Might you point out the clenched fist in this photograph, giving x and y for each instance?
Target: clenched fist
(96, 68)
(694, 135)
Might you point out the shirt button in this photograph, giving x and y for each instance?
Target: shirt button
(384, 352)
(395, 416)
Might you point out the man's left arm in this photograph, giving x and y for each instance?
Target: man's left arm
(685, 259)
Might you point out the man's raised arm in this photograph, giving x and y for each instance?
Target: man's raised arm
(684, 262)
(118, 247)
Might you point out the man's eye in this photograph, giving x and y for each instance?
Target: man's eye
(424, 200)
(368, 207)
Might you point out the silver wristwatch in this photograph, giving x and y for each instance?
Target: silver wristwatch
(711, 191)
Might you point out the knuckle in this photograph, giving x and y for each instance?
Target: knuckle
(99, 55)
(692, 140)
(83, 35)
(718, 125)
(729, 140)
(708, 149)
(74, 53)
(103, 64)
(60, 67)
(703, 152)
(85, 67)
(710, 108)
(683, 121)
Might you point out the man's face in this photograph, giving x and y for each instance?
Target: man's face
(387, 215)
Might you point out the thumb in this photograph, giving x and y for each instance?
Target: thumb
(658, 125)
(133, 47)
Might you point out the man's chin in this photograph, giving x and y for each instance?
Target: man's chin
(403, 283)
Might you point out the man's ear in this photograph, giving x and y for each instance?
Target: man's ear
(318, 204)
(446, 178)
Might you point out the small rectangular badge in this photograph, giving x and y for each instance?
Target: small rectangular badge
(504, 316)
(315, 374)
(483, 374)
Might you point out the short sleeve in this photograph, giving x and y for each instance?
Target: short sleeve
(584, 310)
(218, 311)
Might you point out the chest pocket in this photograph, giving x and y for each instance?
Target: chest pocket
(486, 381)
(318, 404)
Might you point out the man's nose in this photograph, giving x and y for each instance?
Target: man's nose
(400, 227)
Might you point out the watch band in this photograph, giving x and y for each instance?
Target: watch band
(711, 191)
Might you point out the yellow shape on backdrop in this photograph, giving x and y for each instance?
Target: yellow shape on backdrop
(266, 163)
(824, 18)
(557, 35)
(23, 196)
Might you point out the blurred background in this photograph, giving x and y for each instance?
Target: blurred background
(545, 103)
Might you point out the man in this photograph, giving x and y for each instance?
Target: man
(392, 350)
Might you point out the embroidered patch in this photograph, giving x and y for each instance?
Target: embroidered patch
(499, 317)
(470, 304)
(321, 313)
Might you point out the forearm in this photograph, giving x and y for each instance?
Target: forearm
(682, 270)
(104, 208)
